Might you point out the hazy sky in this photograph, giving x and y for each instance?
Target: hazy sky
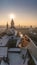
(25, 12)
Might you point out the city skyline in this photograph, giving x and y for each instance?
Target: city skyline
(25, 12)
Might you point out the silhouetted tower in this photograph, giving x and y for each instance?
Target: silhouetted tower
(12, 23)
(31, 26)
(7, 25)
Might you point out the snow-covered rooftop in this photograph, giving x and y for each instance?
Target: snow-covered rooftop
(4, 40)
(15, 58)
(14, 49)
(3, 51)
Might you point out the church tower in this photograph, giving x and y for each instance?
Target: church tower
(12, 23)
(7, 26)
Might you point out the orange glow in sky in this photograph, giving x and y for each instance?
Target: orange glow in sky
(24, 12)
(24, 20)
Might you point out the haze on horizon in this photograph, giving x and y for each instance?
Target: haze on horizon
(24, 10)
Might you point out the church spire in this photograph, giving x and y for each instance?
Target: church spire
(12, 23)
(7, 25)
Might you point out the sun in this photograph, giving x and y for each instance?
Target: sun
(11, 16)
